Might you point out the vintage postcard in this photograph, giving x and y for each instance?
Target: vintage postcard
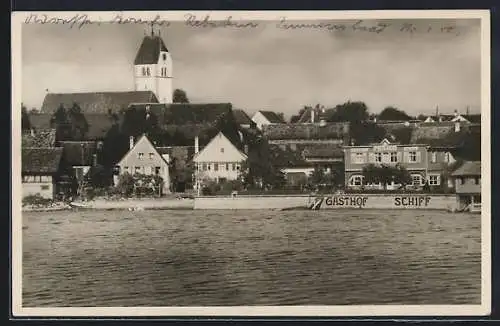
(251, 163)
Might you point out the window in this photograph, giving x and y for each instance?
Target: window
(412, 157)
(237, 167)
(144, 71)
(378, 157)
(148, 72)
(447, 157)
(433, 157)
(209, 166)
(216, 167)
(137, 169)
(394, 157)
(222, 180)
(151, 155)
(157, 170)
(147, 170)
(140, 155)
(125, 169)
(417, 179)
(222, 166)
(359, 158)
(204, 166)
(227, 166)
(477, 180)
(44, 187)
(234, 167)
(356, 180)
(222, 150)
(164, 55)
(461, 181)
(434, 180)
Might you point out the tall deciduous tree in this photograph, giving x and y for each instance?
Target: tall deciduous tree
(78, 122)
(25, 119)
(354, 112)
(394, 114)
(180, 96)
(61, 123)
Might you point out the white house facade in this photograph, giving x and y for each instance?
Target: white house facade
(143, 158)
(218, 161)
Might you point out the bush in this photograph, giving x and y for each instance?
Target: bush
(126, 184)
(36, 200)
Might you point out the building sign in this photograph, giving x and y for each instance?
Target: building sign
(374, 201)
(385, 148)
(412, 201)
(351, 201)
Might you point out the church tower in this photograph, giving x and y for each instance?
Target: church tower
(153, 68)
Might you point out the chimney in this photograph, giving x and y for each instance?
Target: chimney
(94, 159)
(131, 142)
(196, 145)
(457, 126)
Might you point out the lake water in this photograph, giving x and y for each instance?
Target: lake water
(209, 258)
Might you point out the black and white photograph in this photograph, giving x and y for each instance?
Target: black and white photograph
(251, 163)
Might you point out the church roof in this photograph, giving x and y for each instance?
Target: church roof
(96, 102)
(186, 114)
(149, 51)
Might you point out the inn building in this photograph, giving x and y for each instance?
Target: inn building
(412, 156)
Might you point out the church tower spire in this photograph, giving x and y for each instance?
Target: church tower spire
(153, 67)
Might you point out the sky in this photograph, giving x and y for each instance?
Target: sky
(269, 67)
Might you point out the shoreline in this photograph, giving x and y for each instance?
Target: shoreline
(291, 202)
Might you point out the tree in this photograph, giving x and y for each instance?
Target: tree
(78, 123)
(295, 118)
(25, 119)
(354, 112)
(60, 121)
(394, 114)
(385, 174)
(180, 96)
(402, 175)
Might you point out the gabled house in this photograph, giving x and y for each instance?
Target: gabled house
(144, 158)
(40, 171)
(468, 186)
(264, 118)
(242, 119)
(220, 160)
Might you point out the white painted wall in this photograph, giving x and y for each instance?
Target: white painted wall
(217, 159)
(146, 163)
(159, 81)
(44, 189)
(260, 120)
